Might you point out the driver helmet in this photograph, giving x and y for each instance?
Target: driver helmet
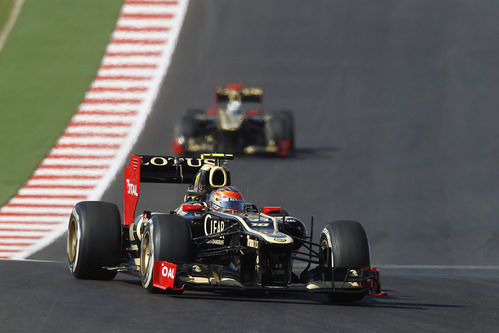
(227, 199)
(234, 108)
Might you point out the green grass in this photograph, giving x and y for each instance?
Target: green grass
(5, 8)
(47, 64)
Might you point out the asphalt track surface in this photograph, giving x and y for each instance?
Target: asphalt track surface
(395, 105)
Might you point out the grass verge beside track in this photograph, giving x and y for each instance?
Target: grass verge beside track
(47, 64)
(5, 8)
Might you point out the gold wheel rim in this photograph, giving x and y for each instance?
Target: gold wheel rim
(72, 239)
(145, 254)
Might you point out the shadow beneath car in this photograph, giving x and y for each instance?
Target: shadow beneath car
(300, 153)
(390, 302)
(387, 302)
(315, 153)
(303, 298)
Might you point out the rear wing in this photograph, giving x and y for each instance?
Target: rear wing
(236, 92)
(161, 169)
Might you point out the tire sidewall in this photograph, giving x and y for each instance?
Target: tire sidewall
(326, 239)
(74, 264)
(342, 254)
(98, 240)
(147, 279)
(164, 230)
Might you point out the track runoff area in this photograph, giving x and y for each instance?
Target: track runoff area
(100, 135)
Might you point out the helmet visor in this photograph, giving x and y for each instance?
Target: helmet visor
(230, 206)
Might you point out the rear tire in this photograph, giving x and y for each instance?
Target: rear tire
(349, 250)
(281, 131)
(94, 240)
(289, 126)
(166, 238)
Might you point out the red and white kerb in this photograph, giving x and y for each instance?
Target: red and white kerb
(101, 133)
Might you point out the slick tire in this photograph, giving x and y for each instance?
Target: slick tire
(168, 238)
(289, 126)
(349, 247)
(94, 240)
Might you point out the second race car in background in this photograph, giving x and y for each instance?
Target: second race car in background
(236, 125)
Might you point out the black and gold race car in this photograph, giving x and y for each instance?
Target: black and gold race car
(236, 125)
(214, 240)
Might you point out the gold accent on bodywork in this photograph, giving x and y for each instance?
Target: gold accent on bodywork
(72, 239)
(145, 254)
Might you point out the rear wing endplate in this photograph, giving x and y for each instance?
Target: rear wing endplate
(161, 169)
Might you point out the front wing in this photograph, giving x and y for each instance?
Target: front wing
(211, 277)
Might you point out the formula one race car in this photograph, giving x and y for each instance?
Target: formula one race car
(214, 240)
(236, 125)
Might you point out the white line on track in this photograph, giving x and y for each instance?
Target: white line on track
(16, 9)
(436, 267)
(300, 265)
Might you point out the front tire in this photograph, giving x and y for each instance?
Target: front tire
(94, 240)
(166, 238)
(349, 249)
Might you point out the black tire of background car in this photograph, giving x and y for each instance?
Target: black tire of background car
(349, 249)
(99, 243)
(289, 126)
(187, 126)
(281, 127)
(168, 238)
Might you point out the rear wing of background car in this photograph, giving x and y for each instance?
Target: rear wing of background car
(237, 92)
(161, 169)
